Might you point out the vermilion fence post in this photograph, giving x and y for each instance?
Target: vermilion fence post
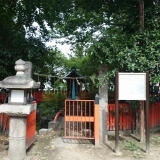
(153, 117)
(38, 95)
(112, 116)
(150, 115)
(157, 115)
(31, 129)
(96, 124)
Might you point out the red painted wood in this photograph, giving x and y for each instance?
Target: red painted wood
(125, 117)
(126, 122)
(38, 96)
(31, 129)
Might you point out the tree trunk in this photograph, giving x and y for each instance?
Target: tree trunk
(103, 103)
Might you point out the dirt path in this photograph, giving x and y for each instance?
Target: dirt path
(53, 147)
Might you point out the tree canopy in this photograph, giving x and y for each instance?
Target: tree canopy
(107, 31)
(110, 33)
(19, 38)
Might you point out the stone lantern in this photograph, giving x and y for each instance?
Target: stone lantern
(19, 106)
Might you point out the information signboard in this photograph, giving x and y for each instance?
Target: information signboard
(131, 86)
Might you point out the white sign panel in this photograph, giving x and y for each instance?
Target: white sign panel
(17, 96)
(131, 86)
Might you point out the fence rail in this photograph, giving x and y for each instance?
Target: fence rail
(126, 120)
(154, 115)
(79, 119)
(86, 113)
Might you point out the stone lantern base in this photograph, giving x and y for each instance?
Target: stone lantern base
(17, 138)
(17, 128)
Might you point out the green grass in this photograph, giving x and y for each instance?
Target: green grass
(136, 153)
(131, 146)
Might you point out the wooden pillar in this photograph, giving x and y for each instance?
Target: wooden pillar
(142, 129)
(96, 124)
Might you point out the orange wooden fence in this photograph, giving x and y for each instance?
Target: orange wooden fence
(31, 129)
(38, 96)
(79, 117)
(81, 120)
(154, 115)
(2, 97)
(126, 117)
(126, 120)
(4, 122)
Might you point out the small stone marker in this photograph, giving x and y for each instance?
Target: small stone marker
(43, 131)
(52, 125)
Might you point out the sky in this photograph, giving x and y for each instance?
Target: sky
(64, 48)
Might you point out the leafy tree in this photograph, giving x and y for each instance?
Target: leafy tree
(110, 34)
(107, 30)
(19, 38)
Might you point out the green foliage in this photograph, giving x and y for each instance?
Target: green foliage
(109, 33)
(134, 104)
(47, 62)
(20, 39)
(51, 102)
(17, 36)
(83, 65)
(59, 86)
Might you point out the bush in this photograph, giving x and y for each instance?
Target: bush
(51, 104)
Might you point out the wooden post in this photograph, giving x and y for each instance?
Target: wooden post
(117, 117)
(96, 124)
(147, 114)
(142, 133)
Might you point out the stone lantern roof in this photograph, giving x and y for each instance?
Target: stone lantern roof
(20, 80)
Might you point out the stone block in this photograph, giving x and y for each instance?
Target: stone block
(43, 131)
(127, 132)
(52, 125)
(50, 129)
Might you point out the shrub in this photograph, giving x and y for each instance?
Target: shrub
(51, 104)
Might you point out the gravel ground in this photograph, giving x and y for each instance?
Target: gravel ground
(54, 147)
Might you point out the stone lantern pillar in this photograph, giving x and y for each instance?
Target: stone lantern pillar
(19, 106)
